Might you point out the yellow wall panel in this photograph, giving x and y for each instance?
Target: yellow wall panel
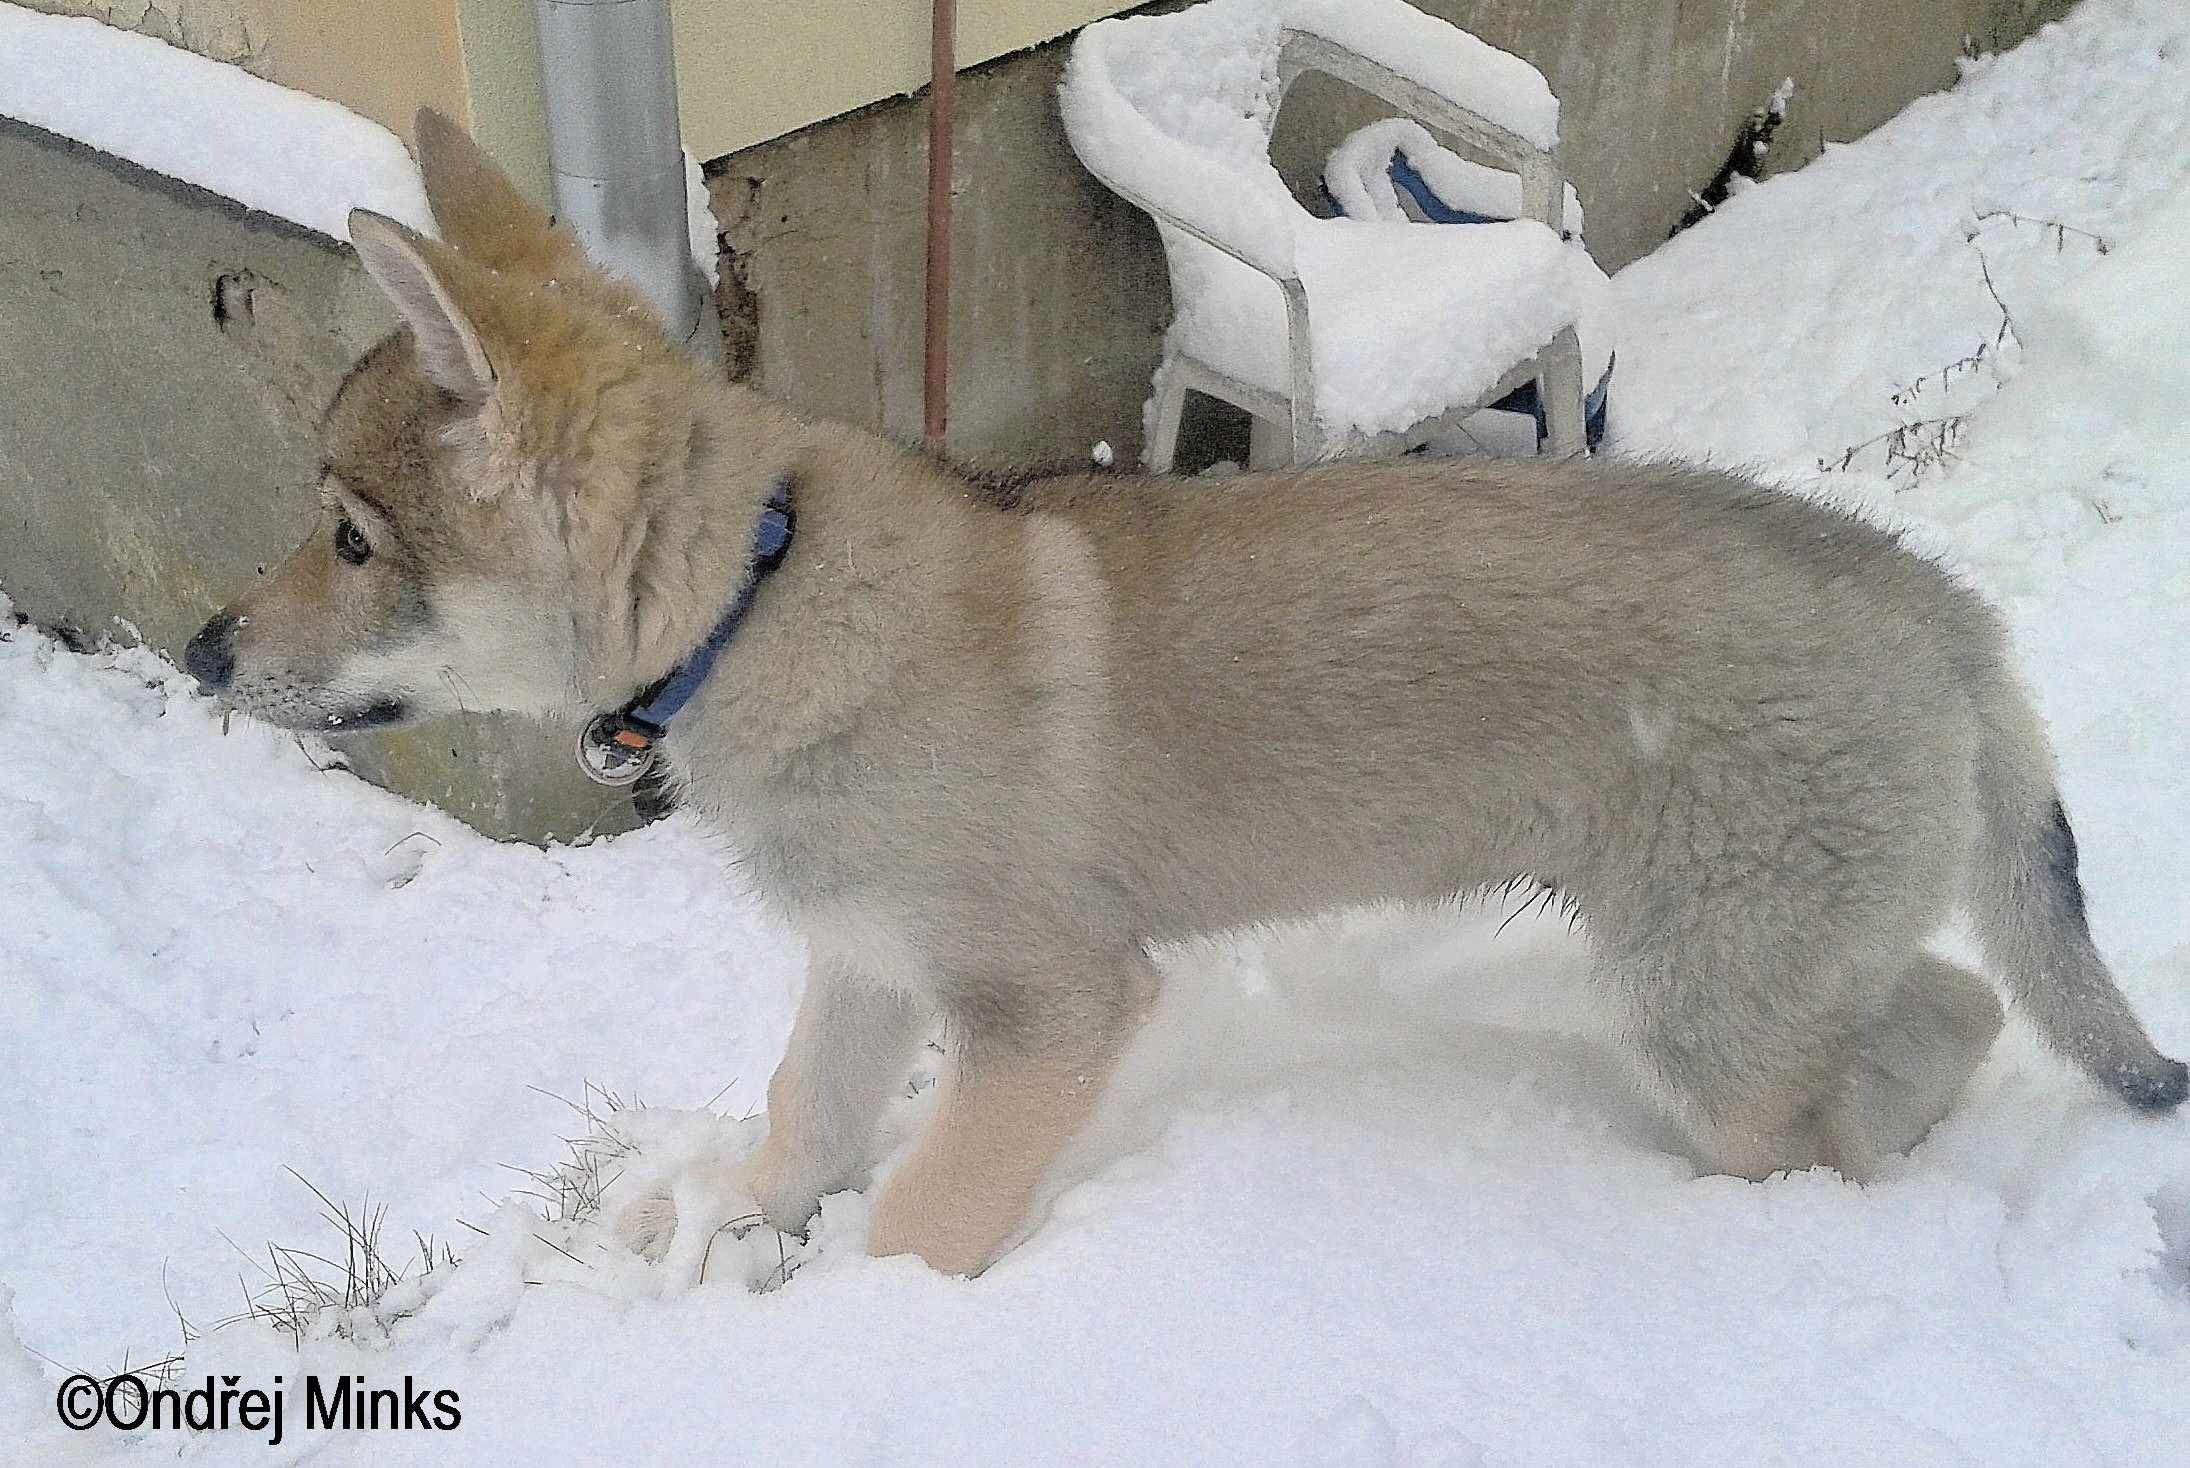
(750, 70)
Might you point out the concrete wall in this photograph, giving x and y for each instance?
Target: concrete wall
(1060, 296)
(164, 359)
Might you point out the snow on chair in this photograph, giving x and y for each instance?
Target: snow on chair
(1339, 336)
(1394, 170)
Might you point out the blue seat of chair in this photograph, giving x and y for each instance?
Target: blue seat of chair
(1434, 209)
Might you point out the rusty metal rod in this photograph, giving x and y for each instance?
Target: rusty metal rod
(936, 339)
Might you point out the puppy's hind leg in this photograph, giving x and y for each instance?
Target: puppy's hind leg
(1742, 1049)
(1906, 1064)
(1749, 1114)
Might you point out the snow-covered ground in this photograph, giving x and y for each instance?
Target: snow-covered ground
(1369, 1194)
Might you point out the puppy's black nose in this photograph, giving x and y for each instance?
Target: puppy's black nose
(211, 656)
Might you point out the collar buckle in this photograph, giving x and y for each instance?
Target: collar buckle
(615, 751)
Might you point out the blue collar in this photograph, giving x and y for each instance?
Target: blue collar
(616, 749)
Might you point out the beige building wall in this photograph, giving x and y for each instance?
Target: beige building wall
(382, 58)
(502, 78)
(751, 70)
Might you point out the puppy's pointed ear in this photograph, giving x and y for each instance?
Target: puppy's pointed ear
(478, 209)
(448, 347)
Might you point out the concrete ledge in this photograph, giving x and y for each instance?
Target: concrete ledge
(166, 355)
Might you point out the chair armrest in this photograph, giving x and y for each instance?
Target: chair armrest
(1258, 260)
(1195, 194)
(1300, 362)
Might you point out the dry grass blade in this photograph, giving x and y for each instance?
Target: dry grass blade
(2060, 231)
(299, 1287)
(1913, 448)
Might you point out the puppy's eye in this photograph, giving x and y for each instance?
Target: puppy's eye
(350, 542)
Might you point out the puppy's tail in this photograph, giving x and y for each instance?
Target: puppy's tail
(2027, 906)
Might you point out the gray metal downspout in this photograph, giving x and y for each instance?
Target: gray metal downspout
(609, 80)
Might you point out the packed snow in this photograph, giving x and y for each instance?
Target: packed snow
(1404, 320)
(1369, 1193)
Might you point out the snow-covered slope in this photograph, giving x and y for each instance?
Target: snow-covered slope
(1369, 1194)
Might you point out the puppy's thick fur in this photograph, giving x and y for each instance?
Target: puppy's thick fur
(984, 757)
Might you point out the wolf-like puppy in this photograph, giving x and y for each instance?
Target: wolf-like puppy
(984, 757)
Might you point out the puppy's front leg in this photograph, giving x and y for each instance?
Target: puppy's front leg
(850, 1049)
(972, 1175)
(1005, 1114)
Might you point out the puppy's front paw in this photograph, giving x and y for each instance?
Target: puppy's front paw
(647, 1224)
(675, 1196)
(784, 1190)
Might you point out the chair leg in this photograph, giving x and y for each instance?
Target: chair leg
(1307, 440)
(1269, 443)
(1167, 406)
(1559, 390)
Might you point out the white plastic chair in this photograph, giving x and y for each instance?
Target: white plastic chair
(1340, 336)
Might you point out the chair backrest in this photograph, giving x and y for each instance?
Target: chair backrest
(1174, 111)
(1366, 174)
